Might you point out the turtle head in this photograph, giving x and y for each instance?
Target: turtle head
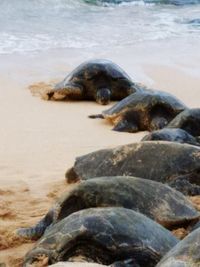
(103, 96)
(158, 123)
(153, 136)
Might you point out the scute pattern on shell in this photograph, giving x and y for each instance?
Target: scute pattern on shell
(159, 161)
(185, 253)
(157, 201)
(104, 235)
(89, 77)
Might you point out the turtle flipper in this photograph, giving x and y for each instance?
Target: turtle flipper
(37, 231)
(184, 185)
(62, 92)
(96, 116)
(32, 232)
(126, 126)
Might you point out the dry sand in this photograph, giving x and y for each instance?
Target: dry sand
(40, 140)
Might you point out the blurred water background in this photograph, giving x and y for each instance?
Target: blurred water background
(38, 25)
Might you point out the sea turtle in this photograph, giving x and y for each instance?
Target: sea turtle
(188, 120)
(173, 135)
(144, 110)
(166, 162)
(157, 201)
(104, 236)
(100, 80)
(185, 254)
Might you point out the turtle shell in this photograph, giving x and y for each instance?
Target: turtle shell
(188, 120)
(144, 105)
(154, 160)
(104, 235)
(126, 192)
(185, 254)
(173, 135)
(90, 69)
(157, 201)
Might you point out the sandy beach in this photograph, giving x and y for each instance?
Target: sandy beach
(40, 139)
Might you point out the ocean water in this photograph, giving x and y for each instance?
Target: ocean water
(37, 25)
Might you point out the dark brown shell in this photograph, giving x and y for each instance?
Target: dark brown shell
(144, 101)
(159, 161)
(142, 106)
(100, 73)
(104, 235)
(157, 201)
(188, 120)
(185, 253)
(172, 135)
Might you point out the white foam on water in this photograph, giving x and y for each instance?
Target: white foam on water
(27, 26)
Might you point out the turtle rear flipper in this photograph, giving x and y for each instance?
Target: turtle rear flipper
(37, 231)
(96, 116)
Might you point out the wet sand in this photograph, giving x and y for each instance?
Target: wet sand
(40, 139)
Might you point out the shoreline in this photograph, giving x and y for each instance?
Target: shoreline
(40, 139)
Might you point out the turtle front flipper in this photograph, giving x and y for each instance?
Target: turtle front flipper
(37, 231)
(64, 91)
(160, 116)
(126, 126)
(187, 184)
(129, 122)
